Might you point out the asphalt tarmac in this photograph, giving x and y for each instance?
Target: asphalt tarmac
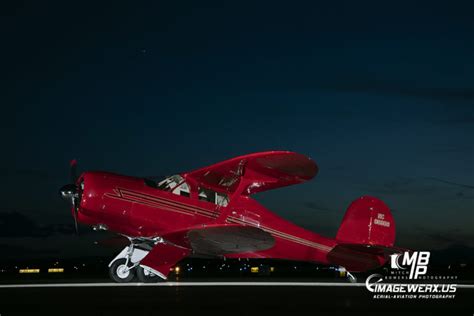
(218, 298)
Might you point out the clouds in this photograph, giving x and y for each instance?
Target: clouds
(407, 89)
(22, 237)
(446, 238)
(14, 224)
(421, 187)
(32, 174)
(400, 186)
(465, 186)
(318, 206)
(17, 250)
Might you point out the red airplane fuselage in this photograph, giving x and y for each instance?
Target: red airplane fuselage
(129, 206)
(210, 212)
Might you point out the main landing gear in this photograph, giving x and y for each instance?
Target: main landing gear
(126, 265)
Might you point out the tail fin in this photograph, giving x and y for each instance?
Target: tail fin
(366, 236)
(368, 221)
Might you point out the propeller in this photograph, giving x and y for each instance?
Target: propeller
(71, 192)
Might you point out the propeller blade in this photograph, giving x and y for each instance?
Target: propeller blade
(74, 215)
(72, 192)
(73, 166)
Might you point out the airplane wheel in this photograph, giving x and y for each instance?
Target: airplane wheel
(118, 272)
(146, 276)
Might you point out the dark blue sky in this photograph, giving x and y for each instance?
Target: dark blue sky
(380, 95)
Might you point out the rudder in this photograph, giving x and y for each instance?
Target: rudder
(368, 221)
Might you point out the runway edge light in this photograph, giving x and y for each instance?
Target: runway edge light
(29, 271)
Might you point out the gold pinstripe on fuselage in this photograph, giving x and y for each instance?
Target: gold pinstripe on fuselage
(178, 207)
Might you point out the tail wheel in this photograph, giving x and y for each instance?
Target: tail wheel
(120, 272)
(146, 276)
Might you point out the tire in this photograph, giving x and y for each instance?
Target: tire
(118, 275)
(147, 277)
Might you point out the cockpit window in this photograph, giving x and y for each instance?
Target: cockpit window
(174, 184)
(182, 189)
(177, 185)
(213, 197)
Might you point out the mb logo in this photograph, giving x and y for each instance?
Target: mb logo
(417, 261)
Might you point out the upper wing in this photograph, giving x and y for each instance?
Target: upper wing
(259, 171)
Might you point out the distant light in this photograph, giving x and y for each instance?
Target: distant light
(177, 269)
(55, 270)
(29, 271)
(272, 269)
(254, 269)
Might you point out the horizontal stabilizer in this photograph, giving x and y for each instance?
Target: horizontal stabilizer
(356, 258)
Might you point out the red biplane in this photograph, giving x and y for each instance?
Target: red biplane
(210, 212)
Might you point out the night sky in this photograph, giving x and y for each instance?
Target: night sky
(380, 95)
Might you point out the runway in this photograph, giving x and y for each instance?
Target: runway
(196, 284)
(216, 298)
(184, 284)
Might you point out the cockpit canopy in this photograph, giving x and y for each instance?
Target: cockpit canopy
(176, 184)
